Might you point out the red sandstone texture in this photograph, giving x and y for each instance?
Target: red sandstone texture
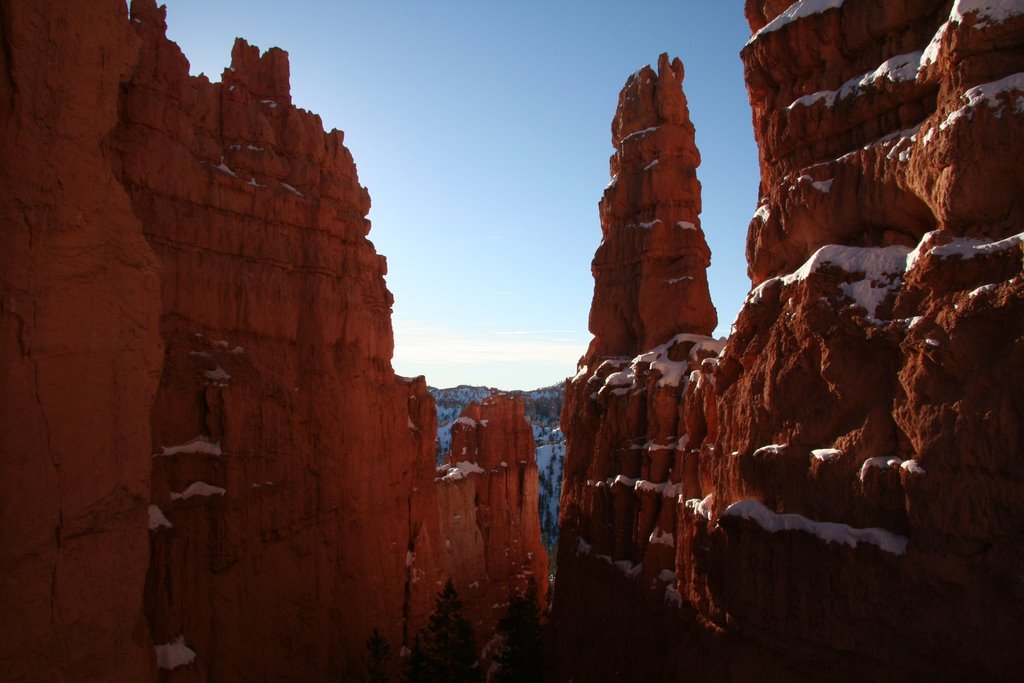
(80, 354)
(851, 482)
(629, 437)
(487, 535)
(197, 336)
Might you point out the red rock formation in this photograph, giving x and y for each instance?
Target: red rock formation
(288, 472)
(277, 403)
(486, 537)
(853, 509)
(631, 446)
(650, 270)
(79, 354)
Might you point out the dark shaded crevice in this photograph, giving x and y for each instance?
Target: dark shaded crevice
(7, 82)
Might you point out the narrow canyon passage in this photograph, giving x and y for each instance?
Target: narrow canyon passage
(210, 470)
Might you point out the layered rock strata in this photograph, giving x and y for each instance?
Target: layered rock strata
(488, 534)
(854, 509)
(201, 331)
(631, 446)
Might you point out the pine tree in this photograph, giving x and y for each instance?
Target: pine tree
(444, 651)
(522, 655)
(378, 652)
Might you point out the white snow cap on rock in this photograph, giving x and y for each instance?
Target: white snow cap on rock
(798, 10)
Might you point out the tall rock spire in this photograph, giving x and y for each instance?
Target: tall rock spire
(650, 278)
(632, 444)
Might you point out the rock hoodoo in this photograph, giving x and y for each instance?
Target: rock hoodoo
(629, 452)
(488, 537)
(212, 468)
(851, 481)
(650, 270)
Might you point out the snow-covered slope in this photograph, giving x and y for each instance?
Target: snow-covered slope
(550, 457)
(543, 410)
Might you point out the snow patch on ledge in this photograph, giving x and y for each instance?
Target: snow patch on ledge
(798, 10)
(762, 213)
(640, 133)
(882, 267)
(968, 247)
(881, 463)
(218, 374)
(198, 444)
(825, 454)
(223, 168)
(898, 69)
(996, 10)
(830, 532)
(460, 470)
(770, 449)
(984, 289)
(700, 507)
(912, 466)
(174, 654)
(672, 371)
(291, 189)
(199, 488)
(661, 537)
(988, 94)
(157, 519)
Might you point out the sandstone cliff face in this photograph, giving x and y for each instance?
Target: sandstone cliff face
(288, 472)
(886, 364)
(285, 452)
(856, 509)
(79, 354)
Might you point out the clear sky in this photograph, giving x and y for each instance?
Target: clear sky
(482, 131)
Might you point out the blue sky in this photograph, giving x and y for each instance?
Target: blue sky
(482, 131)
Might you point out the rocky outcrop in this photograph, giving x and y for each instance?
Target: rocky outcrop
(878, 351)
(202, 333)
(881, 121)
(650, 270)
(631, 447)
(487, 531)
(852, 509)
(79, 353)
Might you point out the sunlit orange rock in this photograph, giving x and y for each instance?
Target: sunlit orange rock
(486, 534)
